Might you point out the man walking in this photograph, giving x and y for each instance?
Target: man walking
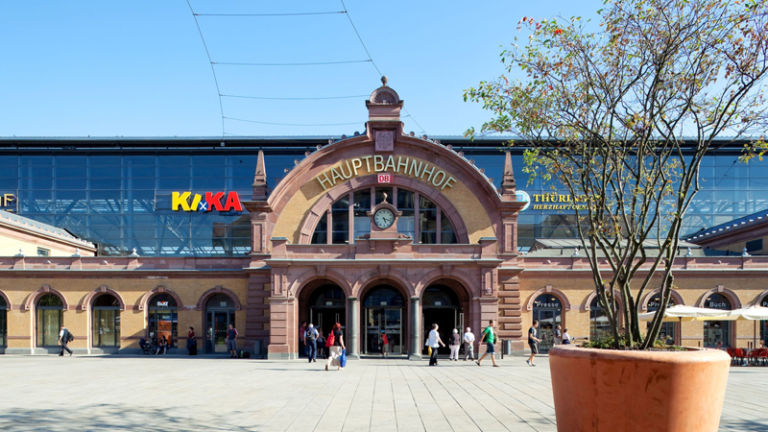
(65, 337)
(433, 342)
(231, 341)
(310, 341)
(489, 336)
(469, 342)
(533, 342)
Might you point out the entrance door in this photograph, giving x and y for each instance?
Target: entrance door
(218, 321)
(384, 320)
(324, 318)
(441, 306)
(547, 309)
(383, 310)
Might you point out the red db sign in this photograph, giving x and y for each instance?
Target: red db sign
(384, 178)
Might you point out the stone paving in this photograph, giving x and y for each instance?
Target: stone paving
(48, 393)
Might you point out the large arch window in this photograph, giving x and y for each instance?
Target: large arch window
(49, 312)
(106, 321)
(348, 219)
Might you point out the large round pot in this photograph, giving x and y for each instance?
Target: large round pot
(612, 390)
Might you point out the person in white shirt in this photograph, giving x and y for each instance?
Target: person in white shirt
(469, 342)
(434, 341)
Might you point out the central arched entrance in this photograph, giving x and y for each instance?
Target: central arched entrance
(322, 303)
(383, 311)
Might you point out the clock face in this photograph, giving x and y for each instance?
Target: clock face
(383, 218)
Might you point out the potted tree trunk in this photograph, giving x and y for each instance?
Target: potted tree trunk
(620, 115)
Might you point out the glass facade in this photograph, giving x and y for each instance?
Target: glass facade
(120, 195)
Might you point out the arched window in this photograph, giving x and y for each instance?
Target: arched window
(49, 311)
(348, 218)
(717, 334)
(3, 322)
(599, 325)
(163, 317)
(548, 311)
(669, 330)
(106, 321)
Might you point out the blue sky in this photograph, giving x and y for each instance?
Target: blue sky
(138, 68)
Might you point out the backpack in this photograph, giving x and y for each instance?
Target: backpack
(311, 334)
(68, 336)
(330, 340)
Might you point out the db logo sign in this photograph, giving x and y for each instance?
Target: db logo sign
(205, 203)
(384, 178)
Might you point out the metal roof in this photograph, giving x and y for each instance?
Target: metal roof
(32, 225)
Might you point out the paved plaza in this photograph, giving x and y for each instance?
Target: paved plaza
(48, 393)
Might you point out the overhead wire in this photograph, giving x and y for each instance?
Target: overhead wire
(221, 95)
(210, 61)
(373, 63)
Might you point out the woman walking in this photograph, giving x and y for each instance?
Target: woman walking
(455, 344)
(433, 342)
(335, 343)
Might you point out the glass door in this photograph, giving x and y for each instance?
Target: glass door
(380, 320)
(546, 329)
(218, 322)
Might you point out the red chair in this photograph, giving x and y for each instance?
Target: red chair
(732, 352)
(741, 354)
(763, 356)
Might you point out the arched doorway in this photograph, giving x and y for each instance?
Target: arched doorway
(440, 305)
(49, 310)
(3, 324)
(717, 334)
(219, 314)
(163, 317)
(599, 324)
(548, 310)
(383, 310)
(764, 324)
(327, 307)
(105, 330)
(670, 331)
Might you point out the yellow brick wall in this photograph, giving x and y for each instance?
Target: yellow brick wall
(131, 290)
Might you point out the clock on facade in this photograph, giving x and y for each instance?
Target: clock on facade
(383, 218)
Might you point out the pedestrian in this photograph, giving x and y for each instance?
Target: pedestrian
(335, 343)
(320, 343)
(469, 342)
(310, 341)
(567, 339)
(302, 345)
(533, 342)
(191, 341)
(433, 342)
(65, 337)
(557, 336)
(384, 344)
(455, 344)
(232, 341)
(489, 336)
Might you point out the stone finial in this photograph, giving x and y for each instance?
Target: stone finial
(134, 254)
(508, 184)
(260, 179)
(384, 80)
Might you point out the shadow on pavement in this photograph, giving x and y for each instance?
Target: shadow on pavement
(105, 417)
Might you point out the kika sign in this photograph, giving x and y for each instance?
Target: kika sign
(404, 165)
(209, 201)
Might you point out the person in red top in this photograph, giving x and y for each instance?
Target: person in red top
(384, 344)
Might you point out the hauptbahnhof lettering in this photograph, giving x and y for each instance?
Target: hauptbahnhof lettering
(268, 233)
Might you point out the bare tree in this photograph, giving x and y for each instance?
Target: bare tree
(604, 114)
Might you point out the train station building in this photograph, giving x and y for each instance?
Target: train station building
(381, 231)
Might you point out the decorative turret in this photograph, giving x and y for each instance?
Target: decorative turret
(508, 185)
(260, 179)
(384, 123)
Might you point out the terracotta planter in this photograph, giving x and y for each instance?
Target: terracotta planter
(611, 390)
